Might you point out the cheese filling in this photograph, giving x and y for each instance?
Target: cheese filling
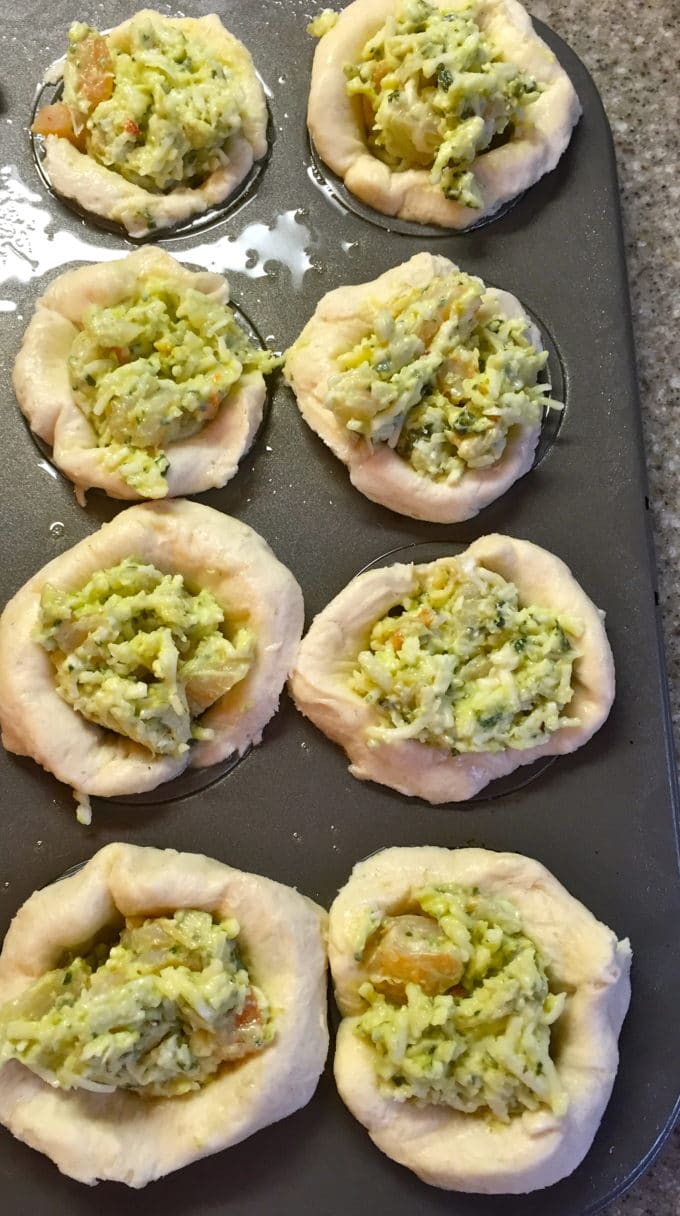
(442, 377)
(154, 369)
(157, 107)
(137, 652)
(461, 664)
(158, 1012)
(459, 1008)
(436, 91)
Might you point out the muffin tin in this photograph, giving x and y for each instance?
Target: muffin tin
(604, 820)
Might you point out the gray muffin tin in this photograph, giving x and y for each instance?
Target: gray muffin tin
(603, 820)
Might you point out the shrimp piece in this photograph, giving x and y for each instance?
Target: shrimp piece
(56, 120)
(413, 950)
(94, 70)
(240, 1036)
(250, 1015)
(93, 82)
(245, 1034)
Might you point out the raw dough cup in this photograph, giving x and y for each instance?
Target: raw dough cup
(327, 655)
(106, 193)
(446, 1147)
(127, 1138)
(204, 461)
(342, 319)
(212, 551)
(337, 128)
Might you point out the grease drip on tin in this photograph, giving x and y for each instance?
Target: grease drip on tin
(28, 249)
(262, 248)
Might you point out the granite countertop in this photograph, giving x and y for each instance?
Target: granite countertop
(629, 47)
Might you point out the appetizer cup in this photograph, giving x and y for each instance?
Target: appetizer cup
(438, 112)
(159, 643)
(128, 149)
(203, 1022)
(481, 1011)
(438, 678)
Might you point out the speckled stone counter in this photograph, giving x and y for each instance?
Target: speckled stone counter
(630, 47)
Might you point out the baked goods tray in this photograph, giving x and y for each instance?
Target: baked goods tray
(603, 820)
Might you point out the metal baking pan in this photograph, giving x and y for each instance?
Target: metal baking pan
(604, 820)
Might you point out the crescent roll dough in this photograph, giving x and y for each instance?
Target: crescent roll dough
(203, 461)
(583, 958)
(341, 320)
(328, 654)
(127, 1138)
(213, 551)
(337, 128)
(106, 193)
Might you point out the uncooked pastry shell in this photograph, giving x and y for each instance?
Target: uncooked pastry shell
(212, 551)
(127, 1138)
(204, 461)
(337, 128)
(583, 957)
(341, 319)
(107, 194)
(329, 650)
